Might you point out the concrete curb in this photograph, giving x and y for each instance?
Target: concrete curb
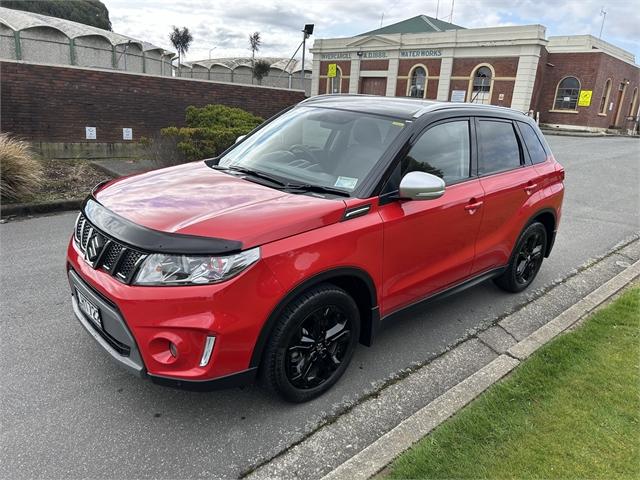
(24, 209)
(380, 453)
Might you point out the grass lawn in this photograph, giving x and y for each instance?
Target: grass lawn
(571, 411)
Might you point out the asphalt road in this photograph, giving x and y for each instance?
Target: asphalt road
(68, 411)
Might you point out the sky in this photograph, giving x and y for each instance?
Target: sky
(224, 25)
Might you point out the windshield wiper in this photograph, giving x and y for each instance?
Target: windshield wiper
(254, 173)
(306, 187)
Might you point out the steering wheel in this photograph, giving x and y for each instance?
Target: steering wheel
(305, 151)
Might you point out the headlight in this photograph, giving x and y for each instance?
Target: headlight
(161, 269)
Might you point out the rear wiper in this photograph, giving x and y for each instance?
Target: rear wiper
(316, 188)
(254, 173)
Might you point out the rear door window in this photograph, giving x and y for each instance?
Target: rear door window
(498, 147)
(532, 141)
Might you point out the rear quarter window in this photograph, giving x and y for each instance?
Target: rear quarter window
(498, 147)
(533, 143)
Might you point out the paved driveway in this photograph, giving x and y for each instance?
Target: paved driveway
(68, 411)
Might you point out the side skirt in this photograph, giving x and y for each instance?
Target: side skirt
(471, 282)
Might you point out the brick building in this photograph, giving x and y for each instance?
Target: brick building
(569, 81)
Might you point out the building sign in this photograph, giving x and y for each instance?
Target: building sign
(331, 70)
(127, 133)
(420, 53)
(585, 98)
(458, 95)
(336, 56)
(90, 133)
(378, 54)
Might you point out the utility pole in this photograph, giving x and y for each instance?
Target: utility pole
(451, 15)
(603, 14)
(381, 19)
(306, 33)
(437, 8)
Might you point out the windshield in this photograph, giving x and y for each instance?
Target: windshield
(317, 146)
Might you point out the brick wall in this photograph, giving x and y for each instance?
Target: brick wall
(54, 104)
(503, 66)
(592, 69)
(366, 65)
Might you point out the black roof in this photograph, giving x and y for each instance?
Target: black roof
(400, 107)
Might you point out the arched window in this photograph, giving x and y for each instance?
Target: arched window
(334, 84)
(633, 107)
(606, 91)
(481, 85)
(417, 86)
(567, 94)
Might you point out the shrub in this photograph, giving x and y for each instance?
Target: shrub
(210, 130)
(162, 150)
(20, 172)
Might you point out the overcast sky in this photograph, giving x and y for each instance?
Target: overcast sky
(226, 24)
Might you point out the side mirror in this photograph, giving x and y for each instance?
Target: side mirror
(240, 138)
(421, 186)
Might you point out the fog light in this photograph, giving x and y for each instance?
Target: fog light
(208, 348)
(173, 349)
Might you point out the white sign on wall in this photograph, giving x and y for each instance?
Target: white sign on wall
(127, 133)
(90, 133)
(458, 95)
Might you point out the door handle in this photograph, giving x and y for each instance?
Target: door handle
(530, 188)
(473, 206)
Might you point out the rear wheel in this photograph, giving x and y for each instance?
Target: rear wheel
(526, 259)
(312, 344)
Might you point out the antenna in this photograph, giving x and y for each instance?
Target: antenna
(381, 19)
(451, 16)
(603, 14)
(437, 8)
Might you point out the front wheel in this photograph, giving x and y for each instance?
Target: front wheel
(312, 344)
(526, 259)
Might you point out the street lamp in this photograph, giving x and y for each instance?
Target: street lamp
(306, 33)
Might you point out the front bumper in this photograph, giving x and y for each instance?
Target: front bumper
(146, 319)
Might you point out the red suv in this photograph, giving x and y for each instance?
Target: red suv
(279, 256)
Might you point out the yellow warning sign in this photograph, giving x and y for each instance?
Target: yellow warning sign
(331, 70)
(585, 98)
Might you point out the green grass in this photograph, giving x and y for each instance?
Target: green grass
(571, 411)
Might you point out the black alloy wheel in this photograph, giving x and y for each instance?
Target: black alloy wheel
(319, 347)
(526, 259)
(311, 344)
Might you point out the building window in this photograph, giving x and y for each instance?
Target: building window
(334, 84)
(606, 91)
(633, 107)
(481, 85)
(417, 87)
(567, 94)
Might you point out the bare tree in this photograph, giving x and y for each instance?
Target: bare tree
(254, 44)
(181, 40)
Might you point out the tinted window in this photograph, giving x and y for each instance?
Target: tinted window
(442, 150)
(497, 146)
(531, 140)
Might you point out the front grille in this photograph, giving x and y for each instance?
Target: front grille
(102, 251)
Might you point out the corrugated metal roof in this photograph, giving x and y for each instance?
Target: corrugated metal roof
(17, 20)
(417, 24)
(235, 62)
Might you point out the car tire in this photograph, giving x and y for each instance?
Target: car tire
(311, 344)
(526, 259)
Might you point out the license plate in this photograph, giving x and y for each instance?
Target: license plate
(89, 309)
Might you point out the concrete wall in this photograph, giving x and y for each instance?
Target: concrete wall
(93, 51)
(55, 104)
(7, 43)
(45, 45)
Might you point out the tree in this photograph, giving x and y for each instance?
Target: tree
(261, 70)
(254, 44)
(181, 40)
(89, 12)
